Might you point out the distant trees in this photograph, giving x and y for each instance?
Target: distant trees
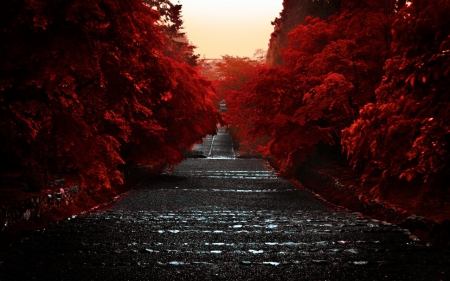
(85, 88)
(233, 74)
(372, 77)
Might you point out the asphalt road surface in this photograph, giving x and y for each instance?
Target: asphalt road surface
(222, 218)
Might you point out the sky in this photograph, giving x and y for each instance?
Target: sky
(229, 27)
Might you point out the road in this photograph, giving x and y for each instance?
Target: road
(222, 218)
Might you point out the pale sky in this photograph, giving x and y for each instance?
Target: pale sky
(229, 27)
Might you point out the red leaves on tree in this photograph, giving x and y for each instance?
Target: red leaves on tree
(373, 78)
(229, 75)
(86, 88)
(407, 129)
(328, 76)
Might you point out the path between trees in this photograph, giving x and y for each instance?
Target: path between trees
(221, 218)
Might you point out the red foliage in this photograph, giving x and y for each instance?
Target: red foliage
(374, 74)
(332, 70)
(176, 44)
(294, 13)
(406, 133)
(85, 87)
(373, 77)
(232, 73)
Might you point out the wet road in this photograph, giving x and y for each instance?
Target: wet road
(221, 218)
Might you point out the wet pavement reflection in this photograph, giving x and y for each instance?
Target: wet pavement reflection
(222, 218)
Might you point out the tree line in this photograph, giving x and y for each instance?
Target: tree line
(91, 88)
(370, 79)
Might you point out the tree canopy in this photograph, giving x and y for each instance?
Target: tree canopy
(86, 87)
(372, 77)
(406, 132)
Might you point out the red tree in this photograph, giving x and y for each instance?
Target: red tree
(232, 73)
(332, 70)
(405, 133)
(85, 88)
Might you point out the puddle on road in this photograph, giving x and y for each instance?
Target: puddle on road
(201, 262)
(256, 251)
(271, 263)
(176, 263)
(200, 252)
(352, 251)
(171, 251)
